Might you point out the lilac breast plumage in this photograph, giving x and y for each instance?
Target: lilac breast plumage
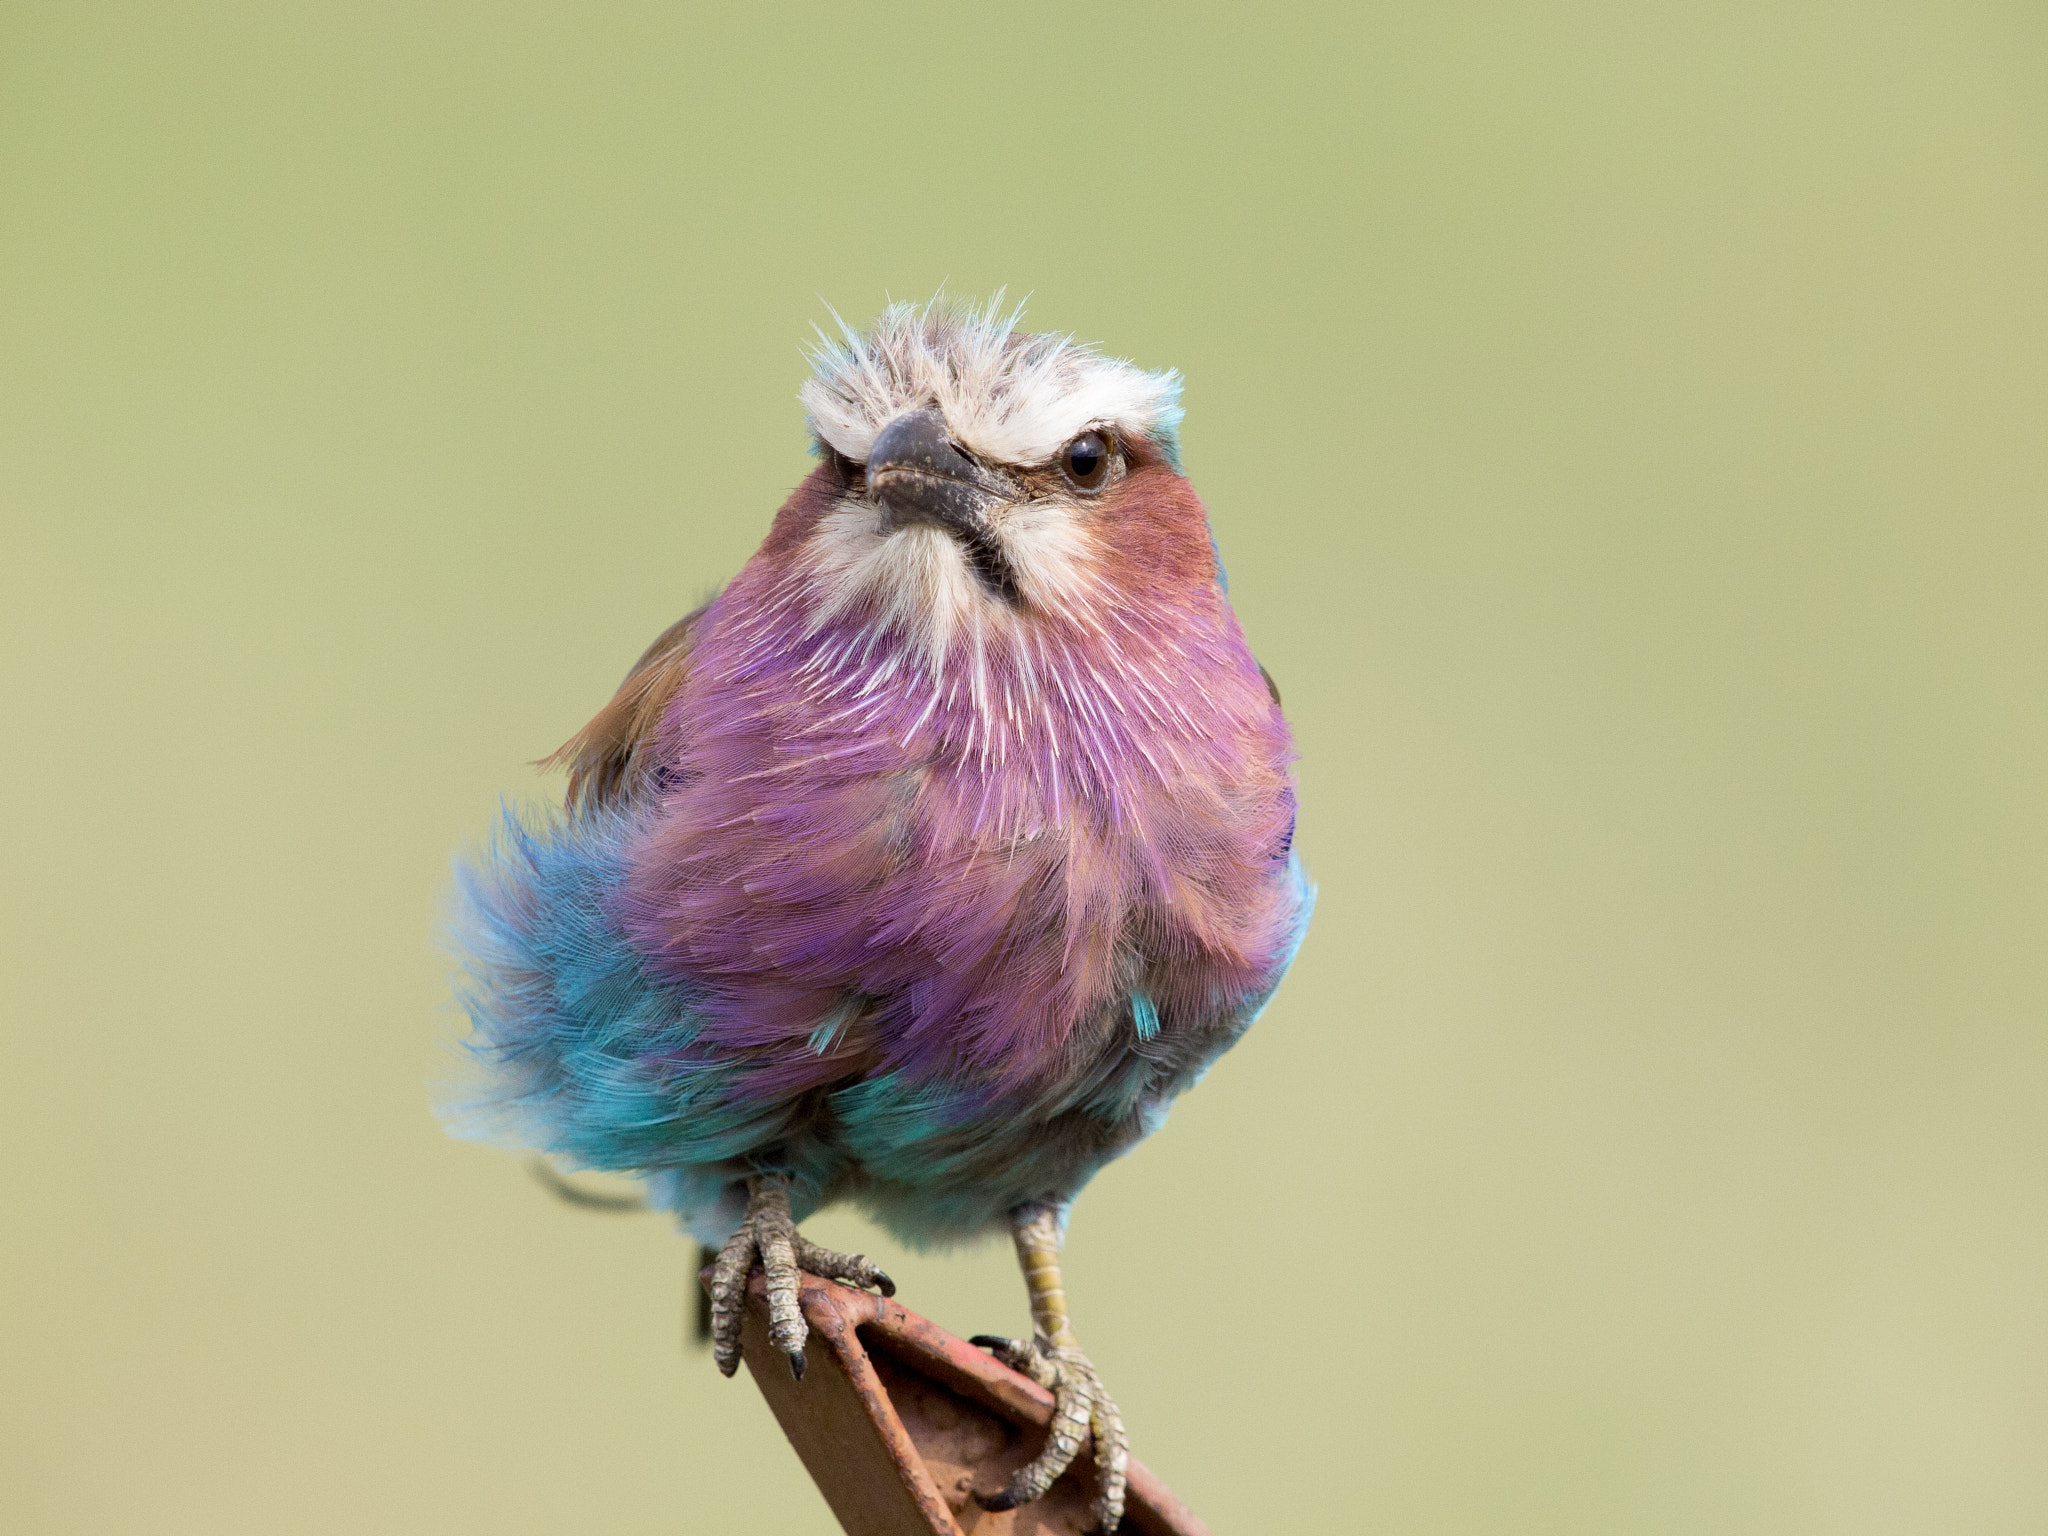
(986, 864)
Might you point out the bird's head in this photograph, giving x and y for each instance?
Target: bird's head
(978, 477)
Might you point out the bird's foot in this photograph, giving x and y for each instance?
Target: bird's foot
(1080, 1408)
(768, 1233)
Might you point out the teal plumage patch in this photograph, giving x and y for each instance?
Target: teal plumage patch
(1144, 1014)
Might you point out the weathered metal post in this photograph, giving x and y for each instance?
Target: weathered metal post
(899, 1423)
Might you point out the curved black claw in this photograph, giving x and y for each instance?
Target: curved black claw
(768, 1236)
(853, 1268)
(1082, 1413)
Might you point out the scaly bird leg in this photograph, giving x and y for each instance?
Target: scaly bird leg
(1054, 1360)
(768, 1232)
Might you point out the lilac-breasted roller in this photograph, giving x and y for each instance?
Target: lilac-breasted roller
(925, 864)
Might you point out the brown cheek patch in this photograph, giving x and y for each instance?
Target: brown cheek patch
(815, 495)
(1155, 535)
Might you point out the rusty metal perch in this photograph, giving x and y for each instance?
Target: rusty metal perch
(899, 1422)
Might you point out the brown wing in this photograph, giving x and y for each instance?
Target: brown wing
(611, 757)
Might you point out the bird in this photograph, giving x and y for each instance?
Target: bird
(921, 867)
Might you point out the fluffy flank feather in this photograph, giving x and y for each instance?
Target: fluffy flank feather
(582, 1053)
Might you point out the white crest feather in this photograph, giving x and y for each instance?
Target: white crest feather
(1010, 396)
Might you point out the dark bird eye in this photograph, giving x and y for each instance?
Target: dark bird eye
(1086, 461)
(852, 473)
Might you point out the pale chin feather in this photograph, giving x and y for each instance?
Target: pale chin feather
(918, 582)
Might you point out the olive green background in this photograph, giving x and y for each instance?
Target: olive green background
(1627, 426)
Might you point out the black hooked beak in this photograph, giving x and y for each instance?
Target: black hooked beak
(918, 476)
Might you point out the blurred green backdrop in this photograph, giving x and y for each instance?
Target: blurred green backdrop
(1628, 430)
